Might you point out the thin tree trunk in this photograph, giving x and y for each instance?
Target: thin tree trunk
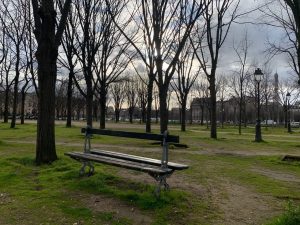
(213, 120)
(149, 104)
(16, 90)
(102, 106)
(23, 96)
(183, 115)
(163, 109)
(6, 106)
(69, 98)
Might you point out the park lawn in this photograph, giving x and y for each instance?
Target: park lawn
(228, 175)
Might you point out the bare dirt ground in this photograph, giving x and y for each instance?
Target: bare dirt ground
(119, 209)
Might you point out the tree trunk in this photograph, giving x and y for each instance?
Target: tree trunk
(117, 115)
(183, 115)
(213, 109)
(46, 56)
(45, 149)
(149, 104)
(6, 105)
(240, 114)
(163, 109)
(69, 98)
(89, 103)
(16, 89)
(23, 96)
(102, 106)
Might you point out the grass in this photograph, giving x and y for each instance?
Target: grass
(27, 191)
(290, 217)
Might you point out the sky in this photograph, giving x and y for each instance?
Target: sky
(258, 36)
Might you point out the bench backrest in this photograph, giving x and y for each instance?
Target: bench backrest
(125, 134)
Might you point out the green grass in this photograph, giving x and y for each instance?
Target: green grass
(290, 217)
(27, 191)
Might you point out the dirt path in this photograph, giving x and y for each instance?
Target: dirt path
(239, 205)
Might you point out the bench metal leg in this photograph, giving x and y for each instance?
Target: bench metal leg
(90, 170)
(162, 181)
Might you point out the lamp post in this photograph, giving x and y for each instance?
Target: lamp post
(258, 75)
(288, 97)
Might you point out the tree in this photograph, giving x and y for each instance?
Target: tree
(131, 96)
(8, 82)
(15, 23)
(48, 37)
(68, 60)
(186, 77)
(284, 14)
(166, 27)
(207, 42)
(111, 59)
(118, 97)
(222, 88)
(241, 77)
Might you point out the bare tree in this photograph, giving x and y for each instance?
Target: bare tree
(15, 23)
(284, 14)
(110, 60)
(6, 80)
(142, 98)
(201, 89)
(208, 40)
(48, 33)
(118, 97)
(68, 59)
(88, 39)
(167, 26)
(186, 77)
(241, 77)
(222, 88)
(131, 97)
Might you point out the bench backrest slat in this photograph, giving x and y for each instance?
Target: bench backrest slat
(148, 136)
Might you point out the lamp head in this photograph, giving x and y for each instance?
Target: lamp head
(258, 75)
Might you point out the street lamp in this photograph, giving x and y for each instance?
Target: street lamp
(288, 97)
(258, 76)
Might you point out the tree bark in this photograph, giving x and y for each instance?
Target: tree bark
(23, 96)
(103, 94)
(149, 104)
(69, 98)
(48, 38)
(213, 108)
(183, 115)
(6, 101)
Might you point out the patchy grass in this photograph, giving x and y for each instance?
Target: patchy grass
(290, 217)
(27, 191)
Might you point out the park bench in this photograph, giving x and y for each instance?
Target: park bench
(160, 170)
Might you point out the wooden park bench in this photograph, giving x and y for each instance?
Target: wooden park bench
(160, 170)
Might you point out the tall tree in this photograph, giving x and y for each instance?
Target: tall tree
(118, 97)
(88, 40)
(15, 23)
(241, 77)
(48, 37)
(208, 40)
(111, 59)
(167, 25)
(285, 14)
(68, 59)
(186, 77)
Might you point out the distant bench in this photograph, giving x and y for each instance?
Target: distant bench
(160, 170)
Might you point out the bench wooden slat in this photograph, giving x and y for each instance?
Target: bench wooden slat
(134, 158)
(148, 136)
(120, 163)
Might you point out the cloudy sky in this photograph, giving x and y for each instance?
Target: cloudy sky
(258, 36)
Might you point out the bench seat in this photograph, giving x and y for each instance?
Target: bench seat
(139, 159)
(129, 164)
